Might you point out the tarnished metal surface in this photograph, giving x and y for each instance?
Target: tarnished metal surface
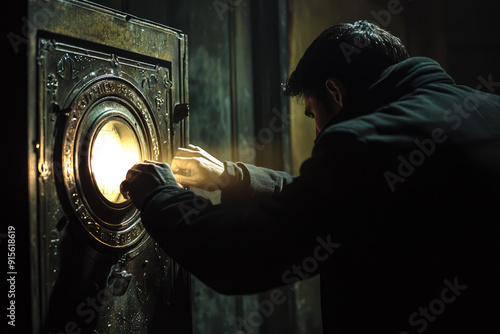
(95, 268)
(88, 22)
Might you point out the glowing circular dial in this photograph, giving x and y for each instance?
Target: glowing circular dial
(114, 151)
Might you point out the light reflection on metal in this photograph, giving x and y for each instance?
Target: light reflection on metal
(115, 149)
(107, 102)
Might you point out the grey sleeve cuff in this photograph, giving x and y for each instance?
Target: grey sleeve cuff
(245, 182)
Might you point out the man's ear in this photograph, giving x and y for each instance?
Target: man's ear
(336, 89)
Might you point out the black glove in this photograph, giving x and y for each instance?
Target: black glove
(143, 178)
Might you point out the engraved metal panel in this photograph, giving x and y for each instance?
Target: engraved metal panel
(104, 100)
(83, 89)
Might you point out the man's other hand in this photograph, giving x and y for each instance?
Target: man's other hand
(143, 178)
(194, 167)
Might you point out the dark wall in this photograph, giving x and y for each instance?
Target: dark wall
(461, 35)
(473, 40)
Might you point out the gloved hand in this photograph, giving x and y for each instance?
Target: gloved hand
(143, 178)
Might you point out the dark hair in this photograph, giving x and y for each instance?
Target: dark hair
(353, 53)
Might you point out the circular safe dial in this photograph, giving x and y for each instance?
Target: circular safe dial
(110, 127)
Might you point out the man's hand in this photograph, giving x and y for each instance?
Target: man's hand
(143, 178)
(194, 167)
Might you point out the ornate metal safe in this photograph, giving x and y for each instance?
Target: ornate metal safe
(111, 90)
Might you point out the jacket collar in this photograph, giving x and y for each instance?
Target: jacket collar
(394, 82)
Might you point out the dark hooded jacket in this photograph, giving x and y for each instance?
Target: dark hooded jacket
(396, 209)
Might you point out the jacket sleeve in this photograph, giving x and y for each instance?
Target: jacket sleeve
(275, 240)
(244, 183)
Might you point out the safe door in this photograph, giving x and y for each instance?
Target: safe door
(111, 90)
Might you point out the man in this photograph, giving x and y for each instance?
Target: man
(395, 208)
